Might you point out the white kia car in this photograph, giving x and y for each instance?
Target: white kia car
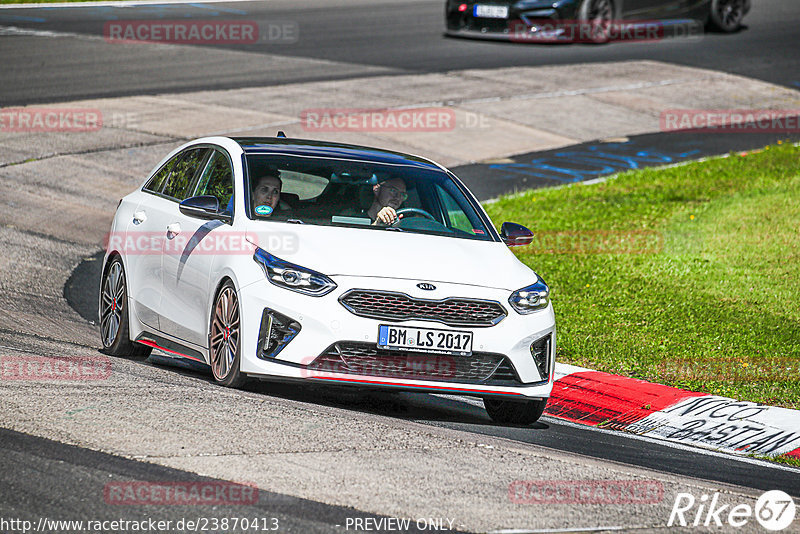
(289, 259)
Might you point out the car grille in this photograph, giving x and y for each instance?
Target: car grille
(401, 307)
(367, 359)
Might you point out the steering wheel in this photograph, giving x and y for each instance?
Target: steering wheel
(415, 211)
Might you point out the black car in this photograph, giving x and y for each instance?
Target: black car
(589, 20)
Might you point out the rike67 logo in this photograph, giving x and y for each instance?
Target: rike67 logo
(774, 510)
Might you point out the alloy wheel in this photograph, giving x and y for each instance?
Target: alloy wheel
(730, 12)
(224, 333)
(599, 17)
(113, 304)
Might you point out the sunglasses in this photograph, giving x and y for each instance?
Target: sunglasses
(396, 192)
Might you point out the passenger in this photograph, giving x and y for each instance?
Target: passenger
(267, 193)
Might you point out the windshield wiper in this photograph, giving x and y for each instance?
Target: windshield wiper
(294, 221)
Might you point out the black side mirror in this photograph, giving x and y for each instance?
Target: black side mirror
(515, 235)
(203, 207)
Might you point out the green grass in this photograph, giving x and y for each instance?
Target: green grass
(688, 276)
(782, 459)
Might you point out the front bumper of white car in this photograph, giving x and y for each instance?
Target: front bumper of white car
(291, 335)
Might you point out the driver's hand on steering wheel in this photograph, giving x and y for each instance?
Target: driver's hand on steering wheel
(387, 216)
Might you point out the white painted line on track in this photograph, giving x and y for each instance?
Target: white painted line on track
(14, 30)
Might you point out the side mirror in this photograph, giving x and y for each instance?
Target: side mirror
(203, 207)
(515, 235)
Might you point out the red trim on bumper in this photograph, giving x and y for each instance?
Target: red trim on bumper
(436, 388)
(159, 347)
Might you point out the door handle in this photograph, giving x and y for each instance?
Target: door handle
(139, 217)
(173, 230)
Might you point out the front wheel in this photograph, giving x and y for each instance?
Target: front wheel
(114, 319)
(224, 338)
(727, 15)
(514, 412)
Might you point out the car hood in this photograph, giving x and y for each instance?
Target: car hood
(337, 251)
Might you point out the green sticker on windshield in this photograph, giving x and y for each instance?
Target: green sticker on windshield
(263, 210)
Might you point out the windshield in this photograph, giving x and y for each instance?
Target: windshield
(340, 192)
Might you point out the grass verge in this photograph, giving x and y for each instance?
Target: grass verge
(687, 276)
(782, 459)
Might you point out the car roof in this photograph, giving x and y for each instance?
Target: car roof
(307, 147)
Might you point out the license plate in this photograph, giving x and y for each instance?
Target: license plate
(490, 12)
(425, 339)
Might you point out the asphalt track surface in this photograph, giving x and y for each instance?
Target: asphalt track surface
(401, 37)
(368, 36)
(31, 467)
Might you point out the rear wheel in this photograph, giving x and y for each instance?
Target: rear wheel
(727, 15)
(514, 412)
(598, 15)
(114, 320)
(224, 338)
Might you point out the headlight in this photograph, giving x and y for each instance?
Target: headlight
(294, 277)
(530, 299)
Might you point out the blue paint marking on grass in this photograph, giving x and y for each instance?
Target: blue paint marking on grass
(592, 161)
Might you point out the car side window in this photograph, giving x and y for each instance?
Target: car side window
(156, 183)
(217, 180)
(182, 177)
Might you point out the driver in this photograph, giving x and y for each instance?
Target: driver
(389, 196)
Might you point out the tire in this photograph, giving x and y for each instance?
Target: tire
(114, 315)
(224, 339)
(726, 15)
(512, 412)
(600, 14)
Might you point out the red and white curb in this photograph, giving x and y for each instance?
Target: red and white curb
(662, 412)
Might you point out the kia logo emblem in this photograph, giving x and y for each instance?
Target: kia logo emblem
(426, 286)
